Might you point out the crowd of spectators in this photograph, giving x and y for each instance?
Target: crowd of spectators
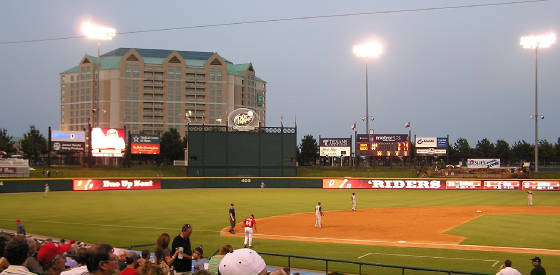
(27, 256)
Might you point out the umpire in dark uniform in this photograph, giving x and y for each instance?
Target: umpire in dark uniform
(231, 218)
(537, 267)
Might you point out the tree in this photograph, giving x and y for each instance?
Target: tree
(462, 149)
(33, 144)
(172, 148)
(503, 151)
(557, 146)
(6, 143)
(485, 149)
(309, 150)
(522, 151)
(546, 151)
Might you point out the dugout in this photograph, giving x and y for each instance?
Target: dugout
(216, 151)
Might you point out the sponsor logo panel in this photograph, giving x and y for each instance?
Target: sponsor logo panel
(483, 163)
(382, 184)
(502, 185)
(426, 142)
(463, 184)
(541, 185)
(101, 185)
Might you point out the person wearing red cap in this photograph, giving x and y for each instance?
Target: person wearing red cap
(20, 229)
(47, 256)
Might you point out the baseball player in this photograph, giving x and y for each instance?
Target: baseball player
(530, 198)
(354, 204)
(318, 214)
(249, 224)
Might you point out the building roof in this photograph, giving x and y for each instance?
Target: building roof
(111, 60)
(161, 53)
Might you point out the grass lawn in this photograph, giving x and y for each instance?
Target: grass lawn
(123, 218)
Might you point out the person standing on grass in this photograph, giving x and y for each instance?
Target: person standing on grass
(47, 189)
(354, 204)
(530, 198)
(318, 214)
(231, 218)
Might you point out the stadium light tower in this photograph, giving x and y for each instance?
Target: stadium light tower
(96, 32)
(536, 42)
(368, 50)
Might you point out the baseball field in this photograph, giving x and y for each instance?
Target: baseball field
(459, 230)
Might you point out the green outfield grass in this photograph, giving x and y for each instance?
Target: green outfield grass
(123, 218)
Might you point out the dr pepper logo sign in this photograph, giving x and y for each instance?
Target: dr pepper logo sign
(243, 119)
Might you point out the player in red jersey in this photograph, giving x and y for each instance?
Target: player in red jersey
(249, 224)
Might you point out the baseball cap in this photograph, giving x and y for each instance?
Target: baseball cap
(536, 259)
(18, 220)
(242, 261)
(47, 253)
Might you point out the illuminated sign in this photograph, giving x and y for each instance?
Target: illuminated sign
(145, 144)
(383, 145)
(464, 184)
(541, 185)
(243, 119)
(382, 184)
(69, 141)
(502, 185)
(107, 142)
(110, 184)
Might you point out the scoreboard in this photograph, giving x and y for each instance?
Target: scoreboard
(383, 145)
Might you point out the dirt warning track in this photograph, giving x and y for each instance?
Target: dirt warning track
(402, 226)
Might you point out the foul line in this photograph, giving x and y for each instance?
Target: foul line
(433, 257)
(113, 225)
(403, 243)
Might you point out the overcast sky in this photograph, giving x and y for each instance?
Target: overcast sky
(455, 71)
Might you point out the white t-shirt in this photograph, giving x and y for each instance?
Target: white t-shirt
(508, 271)
(80, 270)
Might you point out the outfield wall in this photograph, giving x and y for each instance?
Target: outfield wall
(100, 184)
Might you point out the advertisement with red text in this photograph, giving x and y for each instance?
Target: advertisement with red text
(463, 184)
(382, 184)
(502, 185)
(112, 184)
(541, 185)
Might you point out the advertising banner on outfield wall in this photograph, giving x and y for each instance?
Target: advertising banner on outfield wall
(382, 184)
(502, 185)
(541, 185)
(430, 151)
(463, 184)
(102, 185)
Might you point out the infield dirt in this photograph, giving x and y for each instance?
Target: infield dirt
(406, 226)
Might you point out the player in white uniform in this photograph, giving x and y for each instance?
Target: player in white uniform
(318, 214)
(354, 204)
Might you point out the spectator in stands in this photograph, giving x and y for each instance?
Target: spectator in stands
(101, 260)
(215, 260)
(56, 266)
(537, 267)
(197, 256)
(31, 262)
(122, 260)
(163, 256)
(506, 269)
(20, 229)
(131, 264)
(182, 242)
(242, 261)
(81, 258)
(4, 239)
(16, 253)
(151, 269)
(145, 257)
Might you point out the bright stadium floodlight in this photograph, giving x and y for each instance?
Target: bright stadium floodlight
(537, 42)
(96, 32)
(370, 49)
(367, 50)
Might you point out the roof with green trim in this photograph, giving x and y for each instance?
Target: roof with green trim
(111, 60)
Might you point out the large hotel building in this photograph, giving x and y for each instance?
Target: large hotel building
(152, 91)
